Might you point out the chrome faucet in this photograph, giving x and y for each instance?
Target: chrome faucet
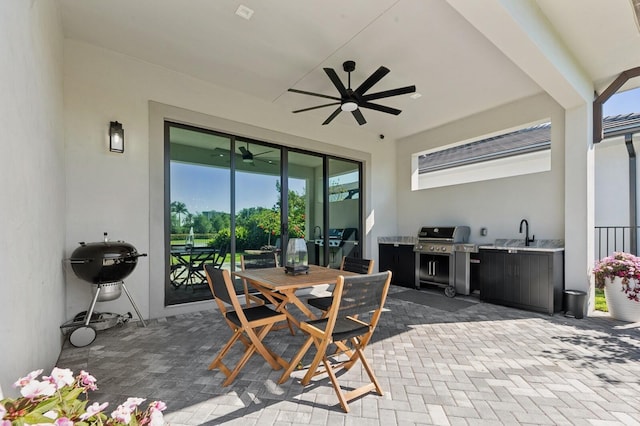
(526, 236)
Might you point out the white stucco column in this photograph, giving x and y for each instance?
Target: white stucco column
(579, 198)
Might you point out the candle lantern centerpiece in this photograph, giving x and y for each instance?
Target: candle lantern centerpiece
(297, 257)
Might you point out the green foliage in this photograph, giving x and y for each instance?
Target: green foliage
(600, 301)
(202, 224)
(255, 226)
(297, 214)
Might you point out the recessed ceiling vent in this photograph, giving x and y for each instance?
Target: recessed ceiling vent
(244, 12)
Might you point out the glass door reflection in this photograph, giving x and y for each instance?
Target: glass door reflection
(257, 198)
(199, 211)
(305, 215)
(344, 210)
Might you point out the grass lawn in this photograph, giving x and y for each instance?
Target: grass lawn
(601, 303)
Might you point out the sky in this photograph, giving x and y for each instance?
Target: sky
(622, 103)
(204, 188)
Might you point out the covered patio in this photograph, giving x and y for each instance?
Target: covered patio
(72, 67)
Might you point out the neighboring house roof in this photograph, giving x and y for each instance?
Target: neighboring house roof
(531, 139)
(616, 125)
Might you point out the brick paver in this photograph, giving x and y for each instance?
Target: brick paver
(481, 365)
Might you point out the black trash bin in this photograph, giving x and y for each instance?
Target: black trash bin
(575, 303)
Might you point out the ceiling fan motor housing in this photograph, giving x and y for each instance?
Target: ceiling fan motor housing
(349, 66)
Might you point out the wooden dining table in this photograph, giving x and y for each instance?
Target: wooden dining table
(280, 287)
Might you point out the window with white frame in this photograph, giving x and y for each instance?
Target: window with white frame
(517, 151)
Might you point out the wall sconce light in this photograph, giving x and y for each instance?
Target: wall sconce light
(116, 137)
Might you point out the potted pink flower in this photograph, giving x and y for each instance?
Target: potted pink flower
(619, 276)
(61, 399)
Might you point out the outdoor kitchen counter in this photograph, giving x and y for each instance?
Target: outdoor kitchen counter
(518, 245)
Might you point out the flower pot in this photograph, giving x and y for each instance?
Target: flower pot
(619, 305)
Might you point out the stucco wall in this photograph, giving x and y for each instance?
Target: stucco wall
(111, 192)
(497, 204)
(612, 182)
(33, 188)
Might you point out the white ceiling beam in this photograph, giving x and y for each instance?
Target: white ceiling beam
(521, 31)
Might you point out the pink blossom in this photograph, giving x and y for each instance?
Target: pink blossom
(3, 411)
(60, 377)
(51, 414)
(133, 403)
(37, 388)
(23, 381)
(158, 405)
(156, 418)
(122, 414)
(63, 421)
(93, 409)
(5, 423)
(87, 381)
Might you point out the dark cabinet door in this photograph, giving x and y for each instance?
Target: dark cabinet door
(400, 260)
(491, 274)
(525, 279)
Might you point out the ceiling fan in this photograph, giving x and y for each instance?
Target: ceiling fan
(245, 155)
(352, 100)
(248, 156)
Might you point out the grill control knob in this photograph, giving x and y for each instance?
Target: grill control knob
(431, 248)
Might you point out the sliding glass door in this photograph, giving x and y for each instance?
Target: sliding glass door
(227, 195)
(305, 194)
(199, 206)
(258, 194)
(344, 209)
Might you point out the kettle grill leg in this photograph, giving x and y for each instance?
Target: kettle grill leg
(87, 319)
(134, 304)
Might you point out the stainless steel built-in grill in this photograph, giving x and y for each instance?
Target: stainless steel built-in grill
(342, 242)
(442, 258)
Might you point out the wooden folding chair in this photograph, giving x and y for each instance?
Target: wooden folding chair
(258, 261)
(249, 324)
(352, 318)
(351, 264)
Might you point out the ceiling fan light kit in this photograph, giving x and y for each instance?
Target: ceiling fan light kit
(349, 106)
(352, 100)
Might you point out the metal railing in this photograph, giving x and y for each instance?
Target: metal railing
(609, 239)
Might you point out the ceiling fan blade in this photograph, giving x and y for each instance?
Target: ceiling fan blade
(262, 153)
(320, 95)
(381, 108)
(373, 79)
(359, 117)
(244, 150)
(389, 93)
(333, 115)
(316, 107)
(336, 81)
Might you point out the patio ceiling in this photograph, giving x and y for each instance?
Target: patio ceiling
(464, 57)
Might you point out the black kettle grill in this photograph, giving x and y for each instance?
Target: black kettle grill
(105, 265)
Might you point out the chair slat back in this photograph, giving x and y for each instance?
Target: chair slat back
(258, 261)
(357, 265)
(221, 255)
(362, 294)
(218, 284)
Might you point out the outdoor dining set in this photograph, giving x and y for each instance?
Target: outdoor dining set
(339, 331)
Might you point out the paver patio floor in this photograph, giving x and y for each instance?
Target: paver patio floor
(482, 364)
